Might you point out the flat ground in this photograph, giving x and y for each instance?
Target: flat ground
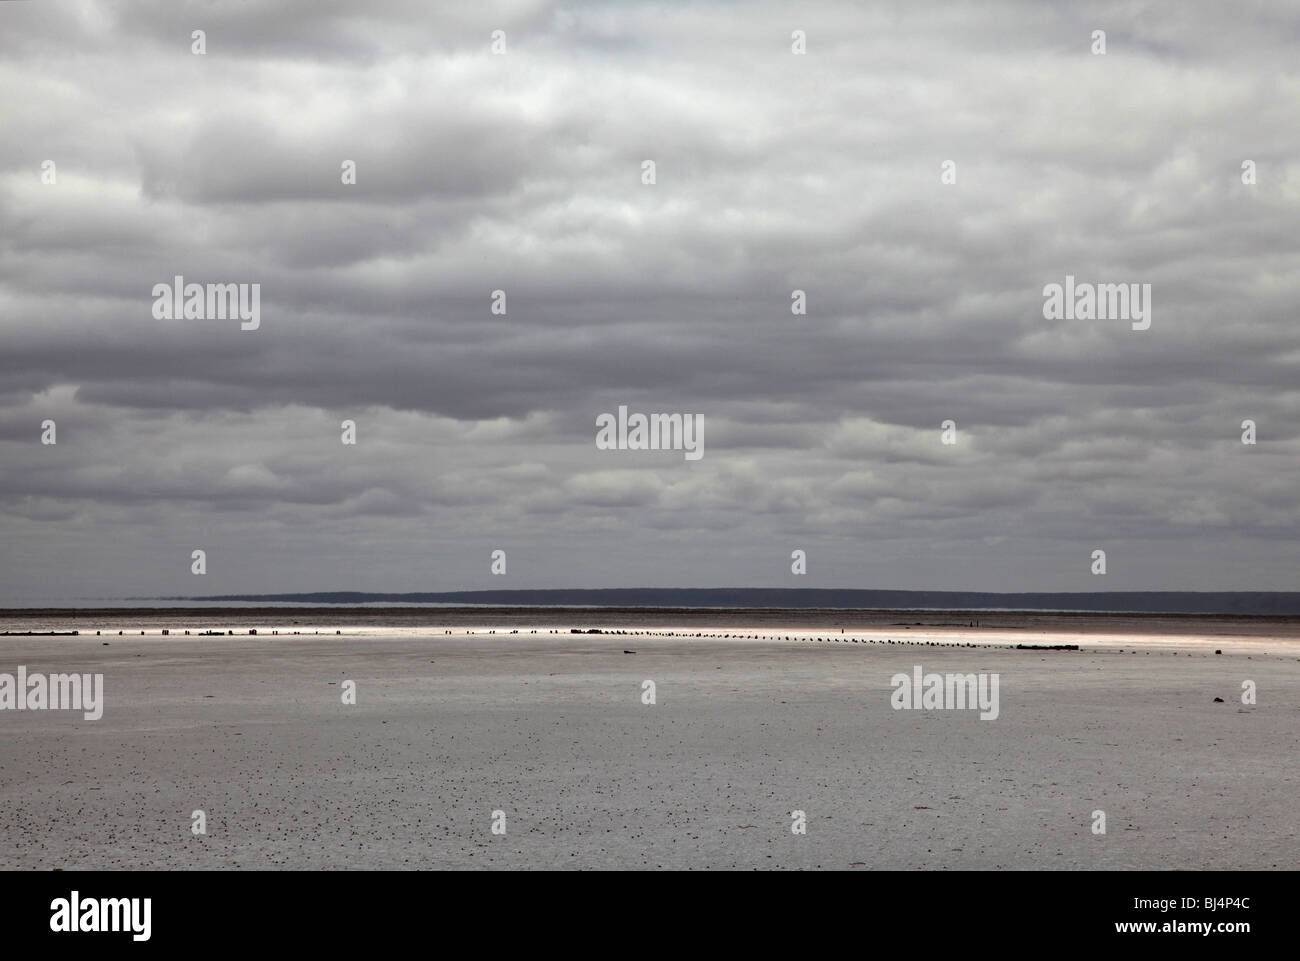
(550, 729)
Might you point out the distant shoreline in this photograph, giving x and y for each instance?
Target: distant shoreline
(567, 618)
(801, 598)
(1129, 603)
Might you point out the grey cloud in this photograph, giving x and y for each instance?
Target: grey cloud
(522, 173)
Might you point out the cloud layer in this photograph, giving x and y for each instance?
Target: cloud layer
(522, 172)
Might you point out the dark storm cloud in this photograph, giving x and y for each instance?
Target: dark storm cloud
(522, 172)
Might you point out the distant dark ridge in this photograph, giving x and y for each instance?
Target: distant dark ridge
(754, 598)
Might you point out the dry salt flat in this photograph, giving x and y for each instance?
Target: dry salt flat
(550, 729)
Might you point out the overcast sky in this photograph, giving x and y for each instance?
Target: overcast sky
(522, 171)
